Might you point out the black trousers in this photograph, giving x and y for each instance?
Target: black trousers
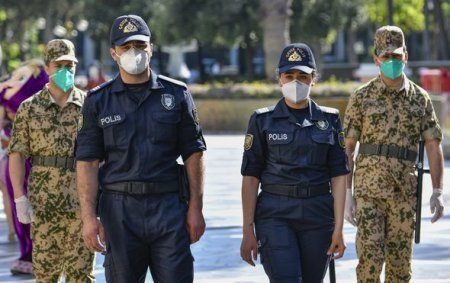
(293, 236)
(146, 231)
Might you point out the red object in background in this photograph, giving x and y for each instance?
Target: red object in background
(435, 80)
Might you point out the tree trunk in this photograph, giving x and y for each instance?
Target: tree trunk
(350, 46)
(275, 24)
(444, 42)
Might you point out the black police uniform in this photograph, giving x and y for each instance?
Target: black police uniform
(139, 132)
(294, 155)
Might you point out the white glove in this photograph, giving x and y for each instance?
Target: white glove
(350, 207)
(437, 205)
(24, 210)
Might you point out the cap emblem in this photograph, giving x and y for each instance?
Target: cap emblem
(130, 28)
(294, 56)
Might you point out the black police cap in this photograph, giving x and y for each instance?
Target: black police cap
(127, 28)
(297, 56)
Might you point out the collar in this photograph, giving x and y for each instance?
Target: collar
(119, 86)
(404, 88)
(281, 111)
(75, 97)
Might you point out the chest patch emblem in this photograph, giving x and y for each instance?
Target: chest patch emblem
(168, 101)
(111, 120)
(322, 125)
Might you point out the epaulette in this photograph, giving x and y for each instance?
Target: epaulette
(99, 87)
(265, 109)
(329, 110)
(177, 82)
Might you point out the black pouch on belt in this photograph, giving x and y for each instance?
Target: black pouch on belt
(183, 183)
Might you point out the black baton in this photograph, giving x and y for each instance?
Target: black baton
(332, 271)
(420, 172)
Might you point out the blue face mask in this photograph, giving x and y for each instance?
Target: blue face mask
(392, 68)
(64, 78)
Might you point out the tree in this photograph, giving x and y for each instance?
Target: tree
(275, 19)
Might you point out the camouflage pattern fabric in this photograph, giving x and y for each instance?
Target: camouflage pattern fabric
(42, 128)
(389, 39)
(59, 49)
(378, 240)
(378, 115)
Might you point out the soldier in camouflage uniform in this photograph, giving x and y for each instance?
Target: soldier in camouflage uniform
(388, 116)
(44, 129)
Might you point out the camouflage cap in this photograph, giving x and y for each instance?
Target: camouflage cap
(59, 50)
(389, 39)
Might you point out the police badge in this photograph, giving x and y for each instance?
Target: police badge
(322, 125)
(341, 139)
(248, 141)
(168, 101)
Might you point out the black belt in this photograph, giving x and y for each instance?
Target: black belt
(388, 151)
(142, 188)
(54, 161)
(297, 191)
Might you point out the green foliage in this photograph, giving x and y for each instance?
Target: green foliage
(408, 14)
(262, 90)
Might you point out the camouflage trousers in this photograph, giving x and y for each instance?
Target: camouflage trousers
(384, 235)
(58, 249)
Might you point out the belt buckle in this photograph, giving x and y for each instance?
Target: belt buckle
(301, 191)
(378, 149)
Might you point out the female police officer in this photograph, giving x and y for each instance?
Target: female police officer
(295, 150)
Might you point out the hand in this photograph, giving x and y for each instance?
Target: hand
(337, 246)
(94, 235)
(195, 224)
(249, 247)
(24, 210)
(437, 205)
(350, 208)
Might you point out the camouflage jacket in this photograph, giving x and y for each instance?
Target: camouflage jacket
(42, 128)
(378, 115)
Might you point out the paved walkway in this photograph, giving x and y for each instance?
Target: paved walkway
(217, 254)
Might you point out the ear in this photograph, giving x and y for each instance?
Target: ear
(47, 69)
(406, 57)
(375, 60)
(113, 53)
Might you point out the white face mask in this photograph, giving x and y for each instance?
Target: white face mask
(134, 61)
(295, 91)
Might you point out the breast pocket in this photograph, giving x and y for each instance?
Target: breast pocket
(321, 143)
(114, 130)
(375, 119)
(164, 127)
(41, 130)
(281, 147)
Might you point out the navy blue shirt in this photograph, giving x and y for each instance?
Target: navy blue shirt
(139, 136)
(280, 149)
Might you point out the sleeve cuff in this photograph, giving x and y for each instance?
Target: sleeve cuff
(20, 148)
(433, 133)
(352, 133)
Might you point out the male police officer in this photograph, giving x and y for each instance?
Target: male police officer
(139, 124)
(388, 116)
(45, 128)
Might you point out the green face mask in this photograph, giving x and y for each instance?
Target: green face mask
(392, 68)
(64, 79)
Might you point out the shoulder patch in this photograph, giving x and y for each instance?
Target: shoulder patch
(265, 109)
(329, 110)
(177, 82)
(99, 87)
